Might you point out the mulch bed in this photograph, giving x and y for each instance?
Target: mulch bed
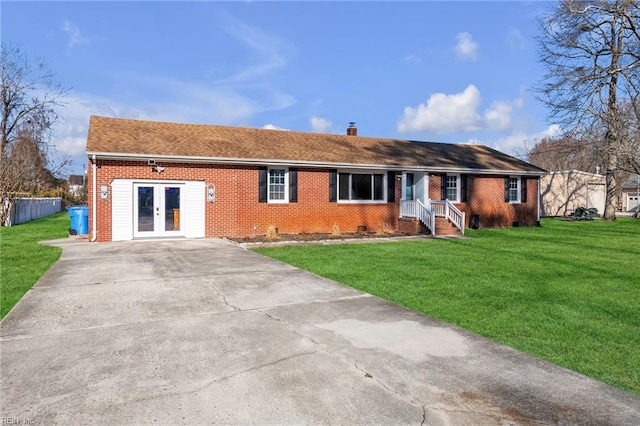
(317, 236)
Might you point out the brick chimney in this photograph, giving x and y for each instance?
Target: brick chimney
(352, 130)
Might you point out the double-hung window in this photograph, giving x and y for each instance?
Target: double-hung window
(277, 185)
(452, 187)
(515, 190)
(361, 187)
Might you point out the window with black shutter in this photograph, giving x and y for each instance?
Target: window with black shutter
(450, 187)
(275, 186)
(513, 190)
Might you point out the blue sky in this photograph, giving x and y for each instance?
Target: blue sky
(432, 71)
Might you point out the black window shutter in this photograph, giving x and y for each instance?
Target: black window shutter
(506, 190)
(463, 188)
(443, 187)
(262, 185)
(293, 185)
(333, 185)
(523, 189)
(391, 187)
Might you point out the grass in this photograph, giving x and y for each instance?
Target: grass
(566, 292)
(22, 260)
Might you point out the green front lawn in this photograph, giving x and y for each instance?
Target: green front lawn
(567, 292)
(22, 260)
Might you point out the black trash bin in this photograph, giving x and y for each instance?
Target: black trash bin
(474, 221)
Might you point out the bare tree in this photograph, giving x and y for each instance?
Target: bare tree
(562, 154)
(591, 52)
(28, 99)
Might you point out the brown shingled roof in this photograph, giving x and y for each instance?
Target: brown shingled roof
(116, 136)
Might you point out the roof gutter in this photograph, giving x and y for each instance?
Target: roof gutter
(274, 162)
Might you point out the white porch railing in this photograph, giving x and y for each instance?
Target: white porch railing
(445, 208)
(428, 213)
(411, 208)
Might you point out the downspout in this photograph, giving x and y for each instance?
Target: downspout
(539, 201)
(94, 231)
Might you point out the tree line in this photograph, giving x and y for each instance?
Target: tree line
(590, 50)
(29, 97)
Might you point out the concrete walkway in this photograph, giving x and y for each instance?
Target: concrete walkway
(204, 331)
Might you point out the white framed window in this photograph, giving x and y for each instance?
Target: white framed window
(362, 187)
(452, 188)
(513, 190)
(278, 184)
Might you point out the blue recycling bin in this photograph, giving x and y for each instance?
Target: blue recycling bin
(79, 220)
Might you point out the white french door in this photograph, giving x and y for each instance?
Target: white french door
(156, 210)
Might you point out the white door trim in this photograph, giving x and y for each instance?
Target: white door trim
(192, 205)
(160, 219)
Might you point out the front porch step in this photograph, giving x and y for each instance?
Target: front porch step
(412, 225)
(445, 228)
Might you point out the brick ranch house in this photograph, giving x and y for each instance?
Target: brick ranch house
(156, 179)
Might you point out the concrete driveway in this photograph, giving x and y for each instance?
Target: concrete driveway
(204, 331)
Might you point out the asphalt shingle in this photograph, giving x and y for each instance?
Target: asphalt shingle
(149, 138)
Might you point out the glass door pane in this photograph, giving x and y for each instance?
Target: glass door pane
(145, 209)
(408, 187)
(171, 208)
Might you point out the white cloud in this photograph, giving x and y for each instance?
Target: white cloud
(444, 113)
(412, 59)
(466, 48)
(498, 117)
(75, 37)
(273, 127)
(234, 98)
(203, 102)
(269, 49)
(172, 100)
(320, 125)
(457, 113)
(70, 134)
(515, 38)
(518, 140)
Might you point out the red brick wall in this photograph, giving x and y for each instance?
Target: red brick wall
(485, 197)
(236, 211)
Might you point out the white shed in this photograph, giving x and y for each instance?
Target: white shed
(564, 191)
